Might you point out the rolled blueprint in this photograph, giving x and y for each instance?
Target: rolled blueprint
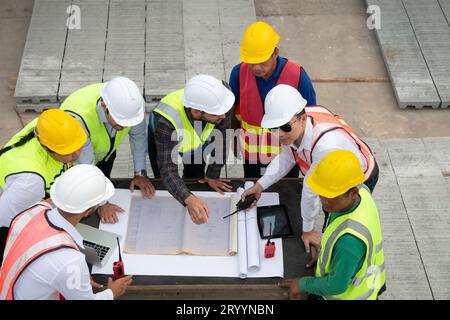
(242, 240)
(253, 263)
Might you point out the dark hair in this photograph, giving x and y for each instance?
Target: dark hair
(21, 142)
(301, 113)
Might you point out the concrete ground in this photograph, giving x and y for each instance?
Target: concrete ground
(330, 39)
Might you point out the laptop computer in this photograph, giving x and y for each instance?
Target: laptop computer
(98, 244)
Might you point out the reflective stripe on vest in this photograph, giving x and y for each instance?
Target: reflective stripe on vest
(324, 121)
(171, 107)
(83, 103)
(259, 144)
(364, 224)
(30, 236)
(30, 158)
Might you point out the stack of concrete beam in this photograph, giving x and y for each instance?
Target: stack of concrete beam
(414, 37)
(40, 70)
(125, 43)
(157, 43)
(85, 48)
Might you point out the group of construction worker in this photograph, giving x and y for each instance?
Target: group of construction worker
(55, 172)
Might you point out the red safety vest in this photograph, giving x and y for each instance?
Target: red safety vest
(324, 121)
(257, 143)
(30, 236)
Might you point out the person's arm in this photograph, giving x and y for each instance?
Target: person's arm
(214, 169)
(74, 282)
(347, 258)
(139, 145)
(278, 167)
(234, 83)
(330, 141)
(22, 190)
(168, 169)
(306, 89)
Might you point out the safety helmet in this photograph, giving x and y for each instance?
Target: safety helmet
(281, 104)
(60, 132)
(206, 93)
(335, 174)
(258, 43)
(81, 187)
(124, 101)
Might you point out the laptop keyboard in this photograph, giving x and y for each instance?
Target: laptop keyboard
(100, 250)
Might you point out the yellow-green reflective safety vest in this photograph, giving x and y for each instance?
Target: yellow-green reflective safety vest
(363, 223)
(83, 103)
(171, 107)
(30, 158)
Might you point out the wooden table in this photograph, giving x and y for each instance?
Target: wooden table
(170, 287)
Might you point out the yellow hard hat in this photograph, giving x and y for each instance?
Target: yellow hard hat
(258, 43)
(60, 132)
(335, 174)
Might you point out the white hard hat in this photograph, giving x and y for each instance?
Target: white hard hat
(207, 94)
(81, 187)
(280, 105)
(124, 101)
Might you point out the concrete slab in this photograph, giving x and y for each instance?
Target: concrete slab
(165, 62)
(433, 34)
(125, 46)
(408, 69)
(440, 149)
(43, 50)
(235, 16)
(85, 48)
(202, 39)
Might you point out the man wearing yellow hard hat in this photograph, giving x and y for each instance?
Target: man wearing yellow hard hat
(350, 264)
(32, 160)
(262, 69)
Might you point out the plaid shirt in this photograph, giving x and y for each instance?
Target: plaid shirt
(169, 170)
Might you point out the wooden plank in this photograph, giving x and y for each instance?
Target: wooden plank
(235, 16)
(164, 64)
(85, 48)
(433, 34)
(213, 291)
(125, 45)
(202, 38)
(40, 68)
(408, 71)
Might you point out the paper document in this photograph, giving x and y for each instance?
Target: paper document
(163, 226)
(188, 264)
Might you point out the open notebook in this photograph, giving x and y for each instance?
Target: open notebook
(163, 226)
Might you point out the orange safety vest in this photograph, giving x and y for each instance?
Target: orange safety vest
(324, 121)
(31, 235)
(257, 143)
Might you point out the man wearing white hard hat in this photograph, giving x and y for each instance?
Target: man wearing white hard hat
(42, 258)
(307, 134)
(108, 113)
(183, 123)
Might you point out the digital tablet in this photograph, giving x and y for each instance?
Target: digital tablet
(274, 220)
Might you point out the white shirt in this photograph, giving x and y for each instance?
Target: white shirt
(137, 135)
(62, 271)
(334, 140)
(22, 190)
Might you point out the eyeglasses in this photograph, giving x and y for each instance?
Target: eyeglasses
(285, 127)
(288, 126)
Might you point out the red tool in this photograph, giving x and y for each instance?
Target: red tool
(269, 248)
(118, 268)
